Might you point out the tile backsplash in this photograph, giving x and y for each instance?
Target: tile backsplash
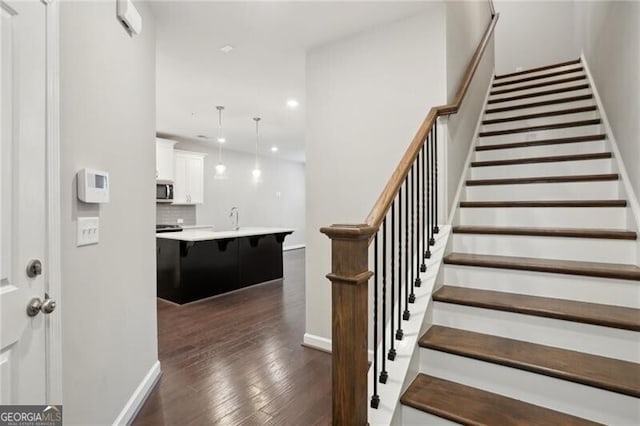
(167, 214)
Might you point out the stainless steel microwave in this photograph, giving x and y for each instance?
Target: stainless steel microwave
(164, 192)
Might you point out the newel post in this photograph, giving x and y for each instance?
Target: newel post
(349, 278)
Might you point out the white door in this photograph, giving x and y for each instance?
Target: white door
(23, 127)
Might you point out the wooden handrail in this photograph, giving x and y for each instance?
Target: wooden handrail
(381, 207)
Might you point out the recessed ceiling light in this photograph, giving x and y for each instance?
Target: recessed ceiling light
(274, 149)
(292, 103)
(221, 139)
(226, 49)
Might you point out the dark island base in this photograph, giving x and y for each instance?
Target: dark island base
(190, 271)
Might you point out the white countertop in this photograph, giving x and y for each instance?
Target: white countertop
(204, 234)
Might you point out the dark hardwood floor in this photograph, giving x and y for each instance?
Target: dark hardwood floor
(237, 359)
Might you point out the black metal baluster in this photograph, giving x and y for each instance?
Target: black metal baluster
(432, 240)
(412, 233)
(405, 314)
(425, 198)
(416, 234)
(399, 332)
(435, 155)
(375, 398)
(383, 371)
(392, 352)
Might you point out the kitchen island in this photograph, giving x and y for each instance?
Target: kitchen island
(198, 263)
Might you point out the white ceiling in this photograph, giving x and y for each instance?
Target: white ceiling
(266, 67)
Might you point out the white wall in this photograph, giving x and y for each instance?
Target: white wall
(467, 23)
(609, 33)
(107, 103)
(534, 33)
(366, 97)
(278, 200)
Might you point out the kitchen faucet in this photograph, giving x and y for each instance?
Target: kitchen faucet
(235, 218)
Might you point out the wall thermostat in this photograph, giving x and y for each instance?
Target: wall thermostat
(93, 186)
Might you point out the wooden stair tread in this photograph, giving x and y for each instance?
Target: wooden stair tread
(541, 115)
(551, 126)
(543, 179)
(471, 406)
(570, 267)
(542, 142)
(541, 93)
(569, 310)
(540, 84)
(549, 159)
(591, 370)
(541, 103)
(538, 77)
(536, 69)
(546, 203)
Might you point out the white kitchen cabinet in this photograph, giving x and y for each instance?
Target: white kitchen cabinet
(188, 185)
(164, 160)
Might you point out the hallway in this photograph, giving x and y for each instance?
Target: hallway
(237, 359)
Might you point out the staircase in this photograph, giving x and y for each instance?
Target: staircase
(537, 316)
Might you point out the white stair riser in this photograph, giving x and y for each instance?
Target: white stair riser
(413, 417)
(555, 217)
(541, 134)
(542, 98)
(560, 395)
(606, 190)
(537, 81)
(559, 168)
(593, 339)
(536, 89)
(562, 286)
(538, 109)
(536, 73)
(564, 118)
(541, 151)
(579, 249)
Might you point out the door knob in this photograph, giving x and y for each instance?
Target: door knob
(48, 306)
(34, 268)
(33, 307)
(36, 305)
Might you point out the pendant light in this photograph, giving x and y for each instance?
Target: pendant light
(220, 167)
(256, 170)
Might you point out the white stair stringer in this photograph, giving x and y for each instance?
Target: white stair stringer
(580, 288)
(565, 334)
(557, 394)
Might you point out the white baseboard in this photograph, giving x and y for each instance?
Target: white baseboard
(294, 247)
(139, 396)
(317, 342)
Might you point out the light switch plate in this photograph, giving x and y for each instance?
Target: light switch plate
(88, 230)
